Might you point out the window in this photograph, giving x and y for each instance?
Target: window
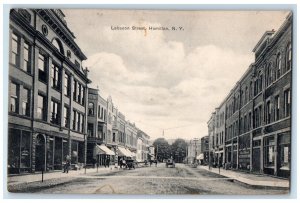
(26, 102)
(14, 98)
(90, 129)
(91, 109)
(27, 54)
(268, 112)
(42, 68)
(55, 77)
(78, 99)
(82, 122)
(15, 50)
(41, 108)
(67, 85)
(269, 152)
(99, 108)
(75, 90)
(77, 64)
(78, 122)
(55, 112)
(66, 117)
(287, 103)
(268, 75)
(82, 95)
(114, 137)
(277, 107)
(74, 119)
(278, 65)
(289, 57)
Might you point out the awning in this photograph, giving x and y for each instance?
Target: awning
(124, 152)
(133, 154)
(102, 149)
(199, 157)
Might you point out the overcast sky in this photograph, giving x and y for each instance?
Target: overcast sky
(169, 79)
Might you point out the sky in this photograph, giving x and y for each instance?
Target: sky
(169, 81)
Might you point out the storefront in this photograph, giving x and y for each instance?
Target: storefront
(19, 151)
(104, 155)
(284, 154)
(244, 152)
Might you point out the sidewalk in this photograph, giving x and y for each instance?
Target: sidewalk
(29, 178)
(250, 179)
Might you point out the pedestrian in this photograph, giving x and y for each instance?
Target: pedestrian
(107, 162)
(67, 164)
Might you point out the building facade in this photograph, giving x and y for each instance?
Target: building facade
(193, 150)
(258, 108)
(47, 92)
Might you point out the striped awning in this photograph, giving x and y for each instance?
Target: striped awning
(102, 149)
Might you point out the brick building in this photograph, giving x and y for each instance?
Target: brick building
(258, 109)
(47, 92)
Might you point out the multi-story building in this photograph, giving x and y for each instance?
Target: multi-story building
(194, 150)
(47, 92)
(131, 137)
(258, 108)
(205, 149)
(211, 138)
(97, 150)
(219, 134)
(143, 148)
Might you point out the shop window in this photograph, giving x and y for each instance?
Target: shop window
(269, 151)
(284, 150)
(25, 149)
(15, 50)
(14, 137)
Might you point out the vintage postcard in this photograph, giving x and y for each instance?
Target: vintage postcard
(151, 102)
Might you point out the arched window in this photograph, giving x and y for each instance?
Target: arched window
(58, 45)
(278, 65)
(289, 57)
(91, 109)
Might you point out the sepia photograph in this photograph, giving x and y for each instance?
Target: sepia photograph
(149, 102)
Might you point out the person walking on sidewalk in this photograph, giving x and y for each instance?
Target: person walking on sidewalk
(67, 164)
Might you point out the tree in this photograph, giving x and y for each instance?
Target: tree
(162, 149)
(179, 150)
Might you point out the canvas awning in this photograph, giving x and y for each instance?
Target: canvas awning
(200, 157)
(124, 152)
(102, 149)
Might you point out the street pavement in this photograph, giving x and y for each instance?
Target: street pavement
(181, 180)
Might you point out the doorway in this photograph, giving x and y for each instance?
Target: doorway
(40, 148)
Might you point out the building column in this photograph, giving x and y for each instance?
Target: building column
(49, 89)
(251, 152)
(262, 156)
(275, 154)
(35, 82)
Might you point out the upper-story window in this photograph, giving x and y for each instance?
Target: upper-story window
(66, 116)
(67, 89)
(278, 66)
(268, 112)
(287, 103)
(15, 50)
(277, 107)
(55, 77)
(26, 56)
(91, 109)
(289, 57)
(55, 112)
(42, 107)
(26, 102)
(42, 68)
(14, 97)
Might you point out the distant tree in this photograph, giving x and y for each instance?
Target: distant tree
(179, 150)
(162, 149)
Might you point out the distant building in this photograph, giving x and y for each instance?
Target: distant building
(194, 150)
(205, 149)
